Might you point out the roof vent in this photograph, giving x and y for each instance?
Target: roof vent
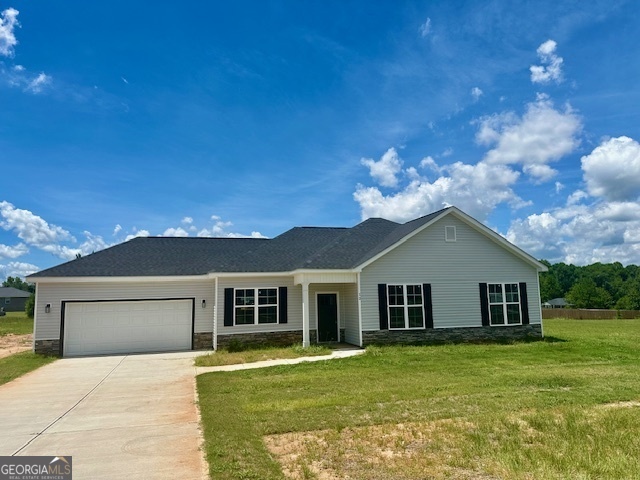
(449, 234)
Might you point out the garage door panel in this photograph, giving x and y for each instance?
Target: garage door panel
(127, 327)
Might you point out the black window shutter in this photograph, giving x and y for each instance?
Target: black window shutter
(282, 303)
(484, 304)
(382, 306)
(524, 303)
(228, 307)
(428, 305)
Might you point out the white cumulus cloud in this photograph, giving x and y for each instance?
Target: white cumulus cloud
(551, 68)
(8, 23)
(476, 93)
(175, 232)
(31, 228)
(476, 189)
(542, 135)
(385, 170)
(17, 269)
(16, 251)
(612, 170)
(602, 225)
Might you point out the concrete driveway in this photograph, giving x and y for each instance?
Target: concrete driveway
(131, 416)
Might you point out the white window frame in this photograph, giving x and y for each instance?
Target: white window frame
(504, 304)
(256, 306)
(450, 229)
(406, 306)
(7, 300)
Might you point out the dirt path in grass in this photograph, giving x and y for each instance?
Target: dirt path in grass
(10, 344)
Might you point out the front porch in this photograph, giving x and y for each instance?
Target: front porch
(330, 308)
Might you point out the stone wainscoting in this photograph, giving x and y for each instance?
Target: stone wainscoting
(203, 341)
(452, 335)
(48, 347)
(263, 339)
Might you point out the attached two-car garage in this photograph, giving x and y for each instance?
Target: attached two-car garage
(112, 327)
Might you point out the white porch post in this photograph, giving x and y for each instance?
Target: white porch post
(305, 314)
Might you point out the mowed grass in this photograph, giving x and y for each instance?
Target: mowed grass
(566, 407)
(16, 365)
(17, 323)
(224, 357)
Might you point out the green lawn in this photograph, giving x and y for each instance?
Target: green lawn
(18, 364)
(224, 357)
(567, 407)
(17, 323)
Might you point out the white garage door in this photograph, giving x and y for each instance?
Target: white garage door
(127, 327)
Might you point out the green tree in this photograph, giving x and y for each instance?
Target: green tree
(17, 282)
(586, 294)
(631, 299)
(549, 287)
(30, 305)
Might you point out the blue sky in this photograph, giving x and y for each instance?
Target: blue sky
(249, 118)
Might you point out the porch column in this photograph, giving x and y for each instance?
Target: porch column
(305, 314)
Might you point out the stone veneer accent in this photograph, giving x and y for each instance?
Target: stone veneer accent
(48, 347)
(452, 335)
(203, 341)
(262, 338)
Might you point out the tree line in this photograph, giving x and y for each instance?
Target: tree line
(600, 285)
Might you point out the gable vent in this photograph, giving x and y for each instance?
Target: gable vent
(449, 234)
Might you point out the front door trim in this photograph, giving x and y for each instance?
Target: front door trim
(337, 295)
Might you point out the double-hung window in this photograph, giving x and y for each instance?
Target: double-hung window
(255, 306)
(504, 304)
(406, 306)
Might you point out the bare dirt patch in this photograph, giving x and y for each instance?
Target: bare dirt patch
(400, 451)
(11, 343)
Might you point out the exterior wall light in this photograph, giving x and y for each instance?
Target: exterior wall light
(204, 303)
(47, 308)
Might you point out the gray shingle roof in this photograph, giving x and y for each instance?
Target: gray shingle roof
(11, 292)
(298, 248)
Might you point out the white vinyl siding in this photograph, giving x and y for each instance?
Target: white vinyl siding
(48, 324)
(350, 322)
(294, 304)
(454, 270)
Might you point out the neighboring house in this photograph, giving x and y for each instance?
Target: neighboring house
(557, 303)
(441, 277)
(13, 299)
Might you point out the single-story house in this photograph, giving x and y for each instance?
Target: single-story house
(13, 299)
(441, 277)
(557, 303)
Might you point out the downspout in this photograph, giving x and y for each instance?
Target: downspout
(540, 305)
(359, 310)
(215, 316)
(35, 320)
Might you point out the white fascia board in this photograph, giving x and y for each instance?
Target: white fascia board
(473, 223)
(248, 274)
(143, 279)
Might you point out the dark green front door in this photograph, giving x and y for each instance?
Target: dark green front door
(327, 317)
